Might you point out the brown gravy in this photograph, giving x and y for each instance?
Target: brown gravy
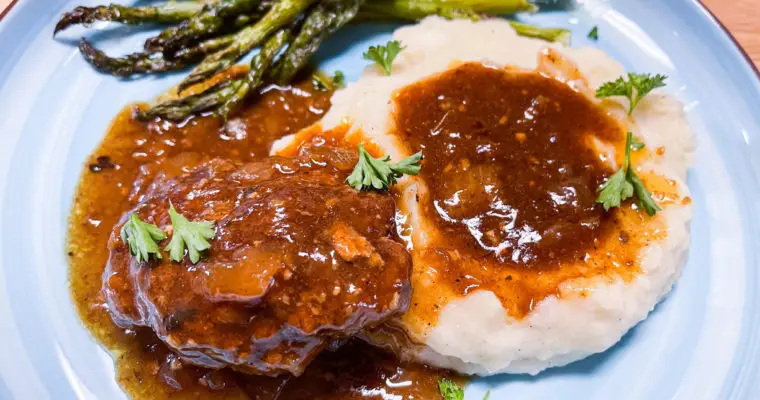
(117, 175)
(511, 175)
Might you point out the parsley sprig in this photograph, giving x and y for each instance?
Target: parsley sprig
(624, 184)
(339, 79)
(451, 391)
(593, 34)
(142, 238)
(637, 144)
(378, 173)
(384, 55)
(193, 235)
(634, 88)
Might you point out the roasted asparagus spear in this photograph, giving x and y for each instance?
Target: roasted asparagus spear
(260, 64)
(323, 21)
(151, 62)
(223, 98)
(417, 9)
(413, 10)
(211, 20)
(282, 13)
(217, 33)
(180, 109)
(169, 13)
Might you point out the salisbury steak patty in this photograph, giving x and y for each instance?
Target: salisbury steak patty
(299, 259)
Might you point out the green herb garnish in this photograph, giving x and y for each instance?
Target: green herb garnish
(635, 88)
(193, 235)
(594, 33)
(378, 173)
(339, 79)
(384, 55)
(637, 144)
(624, 184)
(141, 238)
(450, 390)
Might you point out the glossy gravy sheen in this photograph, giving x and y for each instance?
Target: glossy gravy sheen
(511, 173)
(116, 177)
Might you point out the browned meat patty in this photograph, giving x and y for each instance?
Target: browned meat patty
(300, 259)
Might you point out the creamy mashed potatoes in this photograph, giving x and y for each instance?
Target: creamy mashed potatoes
(533, 277)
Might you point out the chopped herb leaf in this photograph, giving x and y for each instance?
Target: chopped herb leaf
(643, 198)
(384, 55)
(624, 184)
(594, 33)
(634, 88)
(488, 394)
(142, 237)
(193, 235)
(339, 79)
(637, 144)
(615, 190)
(450, 390)
(378, 173)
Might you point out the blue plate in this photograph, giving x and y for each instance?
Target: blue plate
(701, 342)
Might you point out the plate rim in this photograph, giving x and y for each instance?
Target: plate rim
(743, 378)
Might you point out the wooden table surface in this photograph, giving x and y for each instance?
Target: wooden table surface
(740, 16)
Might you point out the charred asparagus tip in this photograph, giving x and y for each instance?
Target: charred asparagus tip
(73, 17)
(171, 12)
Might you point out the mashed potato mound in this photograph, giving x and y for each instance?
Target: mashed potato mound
(474, 333)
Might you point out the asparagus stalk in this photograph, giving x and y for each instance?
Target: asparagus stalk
(150, 62)
(212, 19)
(225, 97)
(326, 18)
(492, 7)
(205, 47)
(169, 13)
(260, 64)
(172, 48)
(414, 10)
(180, 109)
(282, 13)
